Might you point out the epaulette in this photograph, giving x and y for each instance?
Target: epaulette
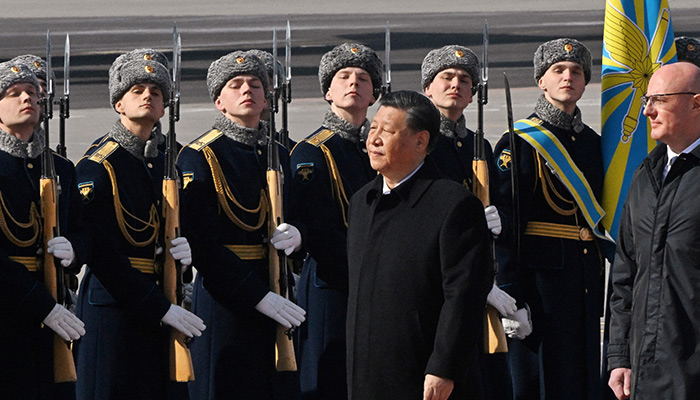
(204, 140)
(320, 137)
(103, 151)
(536, 120)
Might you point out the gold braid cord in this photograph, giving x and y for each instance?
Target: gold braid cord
(224, 193)
(119, 210)
(336, 183)
(33, 223)
(547, 183)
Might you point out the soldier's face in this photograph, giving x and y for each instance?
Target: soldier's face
(563, 84)
(394, 149)
(143, 102)
(450, 90)
(19, 107)
(351, 89)
(242, 99)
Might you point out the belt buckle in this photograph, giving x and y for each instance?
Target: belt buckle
(585, 234)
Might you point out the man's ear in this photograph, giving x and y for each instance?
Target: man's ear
(119, 107)
(540, 83)
(219, 106)
(422, 140)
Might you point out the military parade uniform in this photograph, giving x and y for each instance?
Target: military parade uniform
(124, 352)
(26, 370)
(225, 210)
(329, 167)
(559, 273)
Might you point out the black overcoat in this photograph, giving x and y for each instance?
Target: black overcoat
(654, 304)
(418, 279)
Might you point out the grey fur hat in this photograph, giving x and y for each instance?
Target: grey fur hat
(563, 49)
(232, 65)
(136, 67)
(688, 49)
(145, 54)
(452, 56)
(12, 72)
(36, 64)
(350, 55)
(269, 59)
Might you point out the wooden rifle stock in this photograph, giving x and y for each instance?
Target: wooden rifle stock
(494, 334)
(284, 347)
(181, 368)
(63, 364)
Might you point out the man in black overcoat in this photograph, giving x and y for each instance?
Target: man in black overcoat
(418, 274)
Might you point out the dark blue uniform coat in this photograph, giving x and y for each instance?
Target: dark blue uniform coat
(323, 283)
(26, 369)
(234, 358)
(560, 279)
(124, 352)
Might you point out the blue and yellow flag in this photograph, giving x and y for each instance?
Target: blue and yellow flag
(637, 40)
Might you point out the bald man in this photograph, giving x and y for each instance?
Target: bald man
(653, 351)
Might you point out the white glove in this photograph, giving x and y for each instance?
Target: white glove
(184, 321)
(181, 250)
(519, 326)
(493, 220)
(61, 248)
(281, 310)
(286, 237)
(501, 301)
(64, 323)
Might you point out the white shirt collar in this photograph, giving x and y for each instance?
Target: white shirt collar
(385, 188)
(670, 153)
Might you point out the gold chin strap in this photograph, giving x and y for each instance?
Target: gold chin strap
(153, 220)
(224, 193)
(34, 224)
(546, 180)
(336, 182)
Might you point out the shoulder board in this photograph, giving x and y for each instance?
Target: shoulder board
(206, 139)
(536, 120)
(320, 137)
(103, 151)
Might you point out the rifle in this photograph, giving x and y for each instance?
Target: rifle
(284, 347)
(64, 100)
(181, 368)
(286, 87)
(386, 88)
(63, 364)
(494, 334)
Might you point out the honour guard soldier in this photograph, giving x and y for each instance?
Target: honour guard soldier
(125, 353)
(26, 370)
(450, 77)
(556, 275)
(225, 211)
(329, 166)
(688, 49)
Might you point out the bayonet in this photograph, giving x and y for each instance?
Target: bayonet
(387, 59)
(286, 87)
(513, 173)
(485, 65)
(64, 102)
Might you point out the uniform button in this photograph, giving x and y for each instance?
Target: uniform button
(149, 165)
(30, 165)
(364, 150)
(585, 251)
(573, 138)
(585, 290)
(459, 144)
(259, 152)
